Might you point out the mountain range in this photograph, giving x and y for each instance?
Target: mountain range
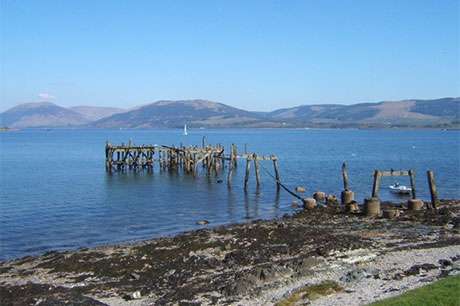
(443, 113)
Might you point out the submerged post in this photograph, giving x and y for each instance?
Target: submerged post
(246, 176)
(256, 168)
(277, 173)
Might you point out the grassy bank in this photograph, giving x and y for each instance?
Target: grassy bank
(445, 292)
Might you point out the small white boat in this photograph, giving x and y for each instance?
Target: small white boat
(400, 189)
(185, 130)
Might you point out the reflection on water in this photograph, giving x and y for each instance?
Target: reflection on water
(55, 193)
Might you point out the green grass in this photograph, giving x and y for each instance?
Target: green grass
(445, 292)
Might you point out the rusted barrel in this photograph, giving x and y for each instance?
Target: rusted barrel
(391, 213)
(352, 207)
(415, 204)
(372, 207)
(319, 196)
(347, 196)
(309, 203)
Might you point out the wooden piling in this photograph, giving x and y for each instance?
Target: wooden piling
(412, 183)
(256, 168)
(277, 172)
(433, 190)
(376, 185)
(345, 176)
(246, 176)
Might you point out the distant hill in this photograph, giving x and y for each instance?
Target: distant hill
(93, 113)
(441, 113)
(43, 114)
(406, 113)
(194, 113)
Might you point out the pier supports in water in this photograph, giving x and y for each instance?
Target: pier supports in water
(379, 174)
(256, 159)
(212, 158)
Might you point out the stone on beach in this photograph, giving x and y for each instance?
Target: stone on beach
(319, 196)
(309, 203)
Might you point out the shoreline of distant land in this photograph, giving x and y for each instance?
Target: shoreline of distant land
(356, 258)
(191, 129)
(414, 113)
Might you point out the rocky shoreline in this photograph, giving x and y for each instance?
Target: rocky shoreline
(262, 262)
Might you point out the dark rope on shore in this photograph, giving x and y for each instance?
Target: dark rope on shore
(281, 184)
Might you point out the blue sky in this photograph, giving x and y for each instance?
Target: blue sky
(257, 55)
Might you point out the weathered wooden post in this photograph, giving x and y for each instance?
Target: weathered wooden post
(433, 190)
(372, 204)
(376, 185)
(230, 173)
(412, 183)
(108, 153)
(345, 176)
(347, 196)
(277, 173)
(234, 153)
(246, 176)
(256, 168)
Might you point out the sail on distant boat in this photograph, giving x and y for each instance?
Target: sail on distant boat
(185, 130)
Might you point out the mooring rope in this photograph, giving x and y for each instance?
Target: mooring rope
(281, 184)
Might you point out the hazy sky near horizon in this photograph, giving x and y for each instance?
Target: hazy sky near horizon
(257, 55)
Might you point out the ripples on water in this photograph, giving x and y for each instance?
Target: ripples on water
(55, 193)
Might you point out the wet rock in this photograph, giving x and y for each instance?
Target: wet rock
(352, 207)
(445, 263)
(170, 272)
(133, 296)
(300, 189)
(331, 200)
(319, 196)
(309, 203)
(202, 222)
(419, 269)
(391, 213)
(361, 273)
(135, 276)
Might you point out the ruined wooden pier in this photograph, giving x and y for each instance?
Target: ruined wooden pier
(211, 158)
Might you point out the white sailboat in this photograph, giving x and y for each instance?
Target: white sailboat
(185, 130)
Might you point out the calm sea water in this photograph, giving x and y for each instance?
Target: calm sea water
(55, 193)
